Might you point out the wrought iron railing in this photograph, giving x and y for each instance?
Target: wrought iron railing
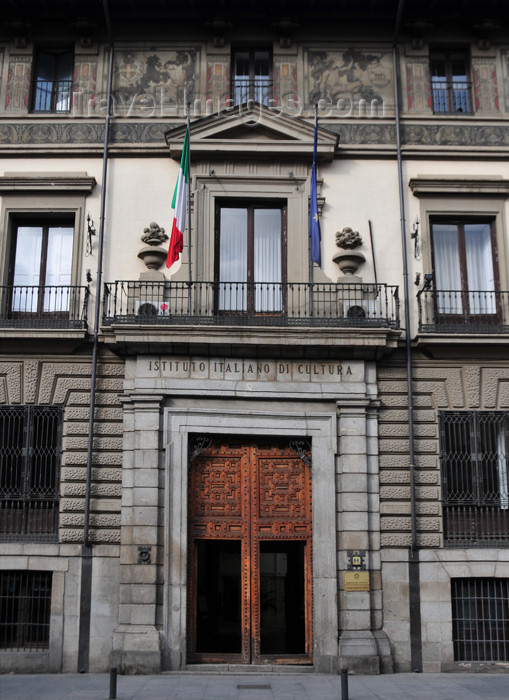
(251, 304)
(48, 306)
(456, 311)
(258, 90)
(451, 96)
(51, 95)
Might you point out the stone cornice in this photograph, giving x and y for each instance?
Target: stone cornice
(77, 183)
(431, 186)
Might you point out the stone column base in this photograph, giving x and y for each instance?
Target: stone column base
(136, 649)
(365, 652)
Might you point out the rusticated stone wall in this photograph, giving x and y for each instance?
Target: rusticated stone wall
(437, 386)
(67, 382)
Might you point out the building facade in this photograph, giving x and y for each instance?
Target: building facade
(249, 458)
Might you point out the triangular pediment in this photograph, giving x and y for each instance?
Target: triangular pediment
(257, 132)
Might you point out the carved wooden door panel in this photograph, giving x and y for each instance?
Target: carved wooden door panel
(250, 532)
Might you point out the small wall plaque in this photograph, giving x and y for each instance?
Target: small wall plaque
(356, 580)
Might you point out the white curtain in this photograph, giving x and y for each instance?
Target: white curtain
(233, 259)
(481, 278)
(27, 267)
(447, 268)
(267, 259)
(58, 268)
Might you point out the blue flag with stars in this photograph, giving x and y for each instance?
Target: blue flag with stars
(314, 221)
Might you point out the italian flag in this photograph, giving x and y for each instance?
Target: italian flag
(179, 205)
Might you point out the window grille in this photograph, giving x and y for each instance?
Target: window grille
(25, 606)
(474, 460)
(30, 451)
(480, 619)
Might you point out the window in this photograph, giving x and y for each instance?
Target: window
(251, 257)
(251, 71)
(450, 87)
(474, 462)
(466, 275)
(41, 268)
(52, 80)
(25, 606)
(30, 448)
(480, 619)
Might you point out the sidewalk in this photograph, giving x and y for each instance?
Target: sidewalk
(254, 686)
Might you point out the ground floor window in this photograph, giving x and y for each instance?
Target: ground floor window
(474, 462)
(25, 605)
(480, 619)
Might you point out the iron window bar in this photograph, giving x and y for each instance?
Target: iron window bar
(52, 96)
(474, 466)
(480, 619)
(451, 96)
(25, 607)
(30, 454)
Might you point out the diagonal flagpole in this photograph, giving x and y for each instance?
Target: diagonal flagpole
(189, 188)
(314, 223)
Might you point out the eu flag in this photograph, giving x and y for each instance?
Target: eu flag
(314, 222)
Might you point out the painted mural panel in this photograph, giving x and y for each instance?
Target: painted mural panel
(349, 79)
(484, 72)
(18, 84)
(152, 80)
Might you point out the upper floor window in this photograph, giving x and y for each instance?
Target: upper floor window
(52, 80)
(40, 272)
(251, 76)
(466, 274)
(30, 448)
(474, 459)
(251, 256)
(450, 86)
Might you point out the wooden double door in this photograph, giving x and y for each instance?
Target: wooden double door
(250, 542)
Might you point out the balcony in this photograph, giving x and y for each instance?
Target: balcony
(251, 304)
(257, 90)
(451, 96)
(44, 307)
(463, 312)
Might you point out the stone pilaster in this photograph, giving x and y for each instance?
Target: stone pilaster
(360, 650)
(136, 642)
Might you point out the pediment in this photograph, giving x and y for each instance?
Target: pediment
(256, 132)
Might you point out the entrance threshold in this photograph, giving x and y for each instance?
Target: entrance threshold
(248, 669)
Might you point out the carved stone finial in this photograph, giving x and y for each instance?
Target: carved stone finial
(153, 234)
(348, 238)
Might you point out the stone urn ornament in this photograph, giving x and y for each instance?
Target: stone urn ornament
(152, 255)
(349, 259)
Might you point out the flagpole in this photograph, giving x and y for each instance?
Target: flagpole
(310, 261)
(189, 187)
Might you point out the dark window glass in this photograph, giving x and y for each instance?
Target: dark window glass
(251, 76)
(450, 86)
(52, 80)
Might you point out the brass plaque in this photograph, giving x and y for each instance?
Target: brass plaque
(356, 580)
